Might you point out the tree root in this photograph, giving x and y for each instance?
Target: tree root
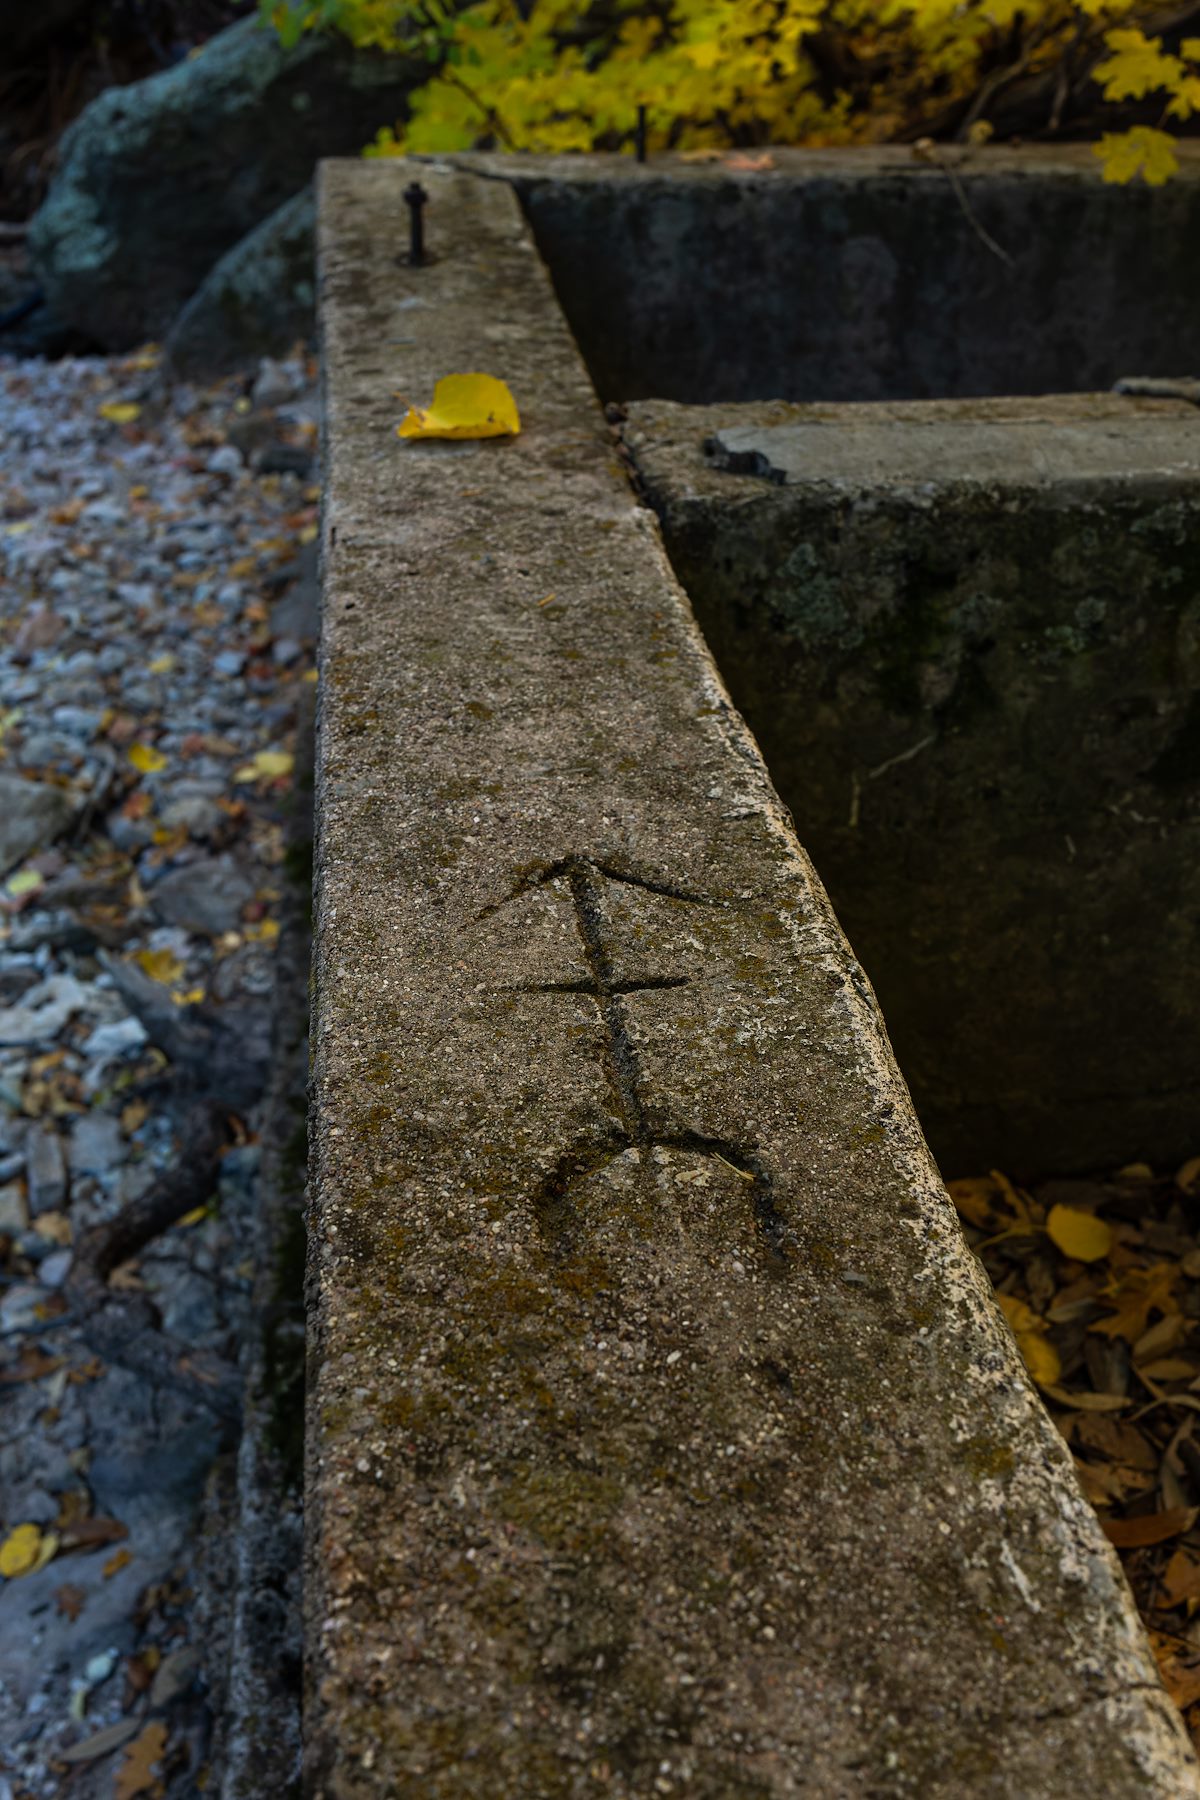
(123, 1326)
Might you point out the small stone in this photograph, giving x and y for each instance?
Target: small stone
(18, 1306)
(77, 721)
(46, 1170)
(206, 896)
(225, 461)
(44, 1011)
(14, 1214)
(200, 818)
(97, 1146)
(229, 662)
(274, 384)
(117, 1039)
(41, 630)
(54, 1269)
(32, 815)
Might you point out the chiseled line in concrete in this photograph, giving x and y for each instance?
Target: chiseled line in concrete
(664, 1437)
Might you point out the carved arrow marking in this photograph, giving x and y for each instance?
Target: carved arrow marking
(556, 1214)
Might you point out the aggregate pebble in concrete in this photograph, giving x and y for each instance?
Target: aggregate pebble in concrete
(664, 1436)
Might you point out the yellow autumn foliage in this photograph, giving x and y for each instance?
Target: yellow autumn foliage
(558, 75)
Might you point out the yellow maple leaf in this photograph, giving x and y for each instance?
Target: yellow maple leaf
(1138, 65)
(1078, 1234)
(120, 412)
(160, 965)
(1133, 1296)
(464, 406)
(1141, 151)
(1038, 1353)
(146, 759)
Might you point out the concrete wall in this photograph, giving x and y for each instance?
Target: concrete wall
(865, 274)
(967, 637)
(663, 1434)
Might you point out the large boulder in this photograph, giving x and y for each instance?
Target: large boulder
(158, 180)
(256, 301)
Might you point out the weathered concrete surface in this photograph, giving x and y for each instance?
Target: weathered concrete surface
(864, 274)
(663, 1435)
(967, 636)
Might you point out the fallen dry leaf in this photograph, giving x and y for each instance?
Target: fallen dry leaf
(137, 1773)
(1180, 1678)
(120, 1559)
(90, 1534)
(1078, 1234)
(1162, 1337)
(1151, 1528)
(32, 1364)
(159, 965)
(70, 1600)
(464, 406)
(1187, 1179)
(25, 1550)
(101, 1743)
(744, 160)
(268, 765)
(146, 759)
(1133, 1296)
(1084, 1400)
(1040, 1356)
(1180, 1580)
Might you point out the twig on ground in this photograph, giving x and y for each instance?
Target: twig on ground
(122, 1326)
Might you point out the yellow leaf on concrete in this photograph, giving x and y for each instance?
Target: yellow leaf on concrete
(1039, 1354)
(1079, 1234)
(464, 406)
(25, 1550)
(160, 965)
(146, 759)
(28, 881)
(121, 412)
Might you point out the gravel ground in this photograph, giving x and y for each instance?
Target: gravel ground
(157, 616)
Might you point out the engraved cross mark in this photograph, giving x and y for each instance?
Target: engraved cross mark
(583, 877)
